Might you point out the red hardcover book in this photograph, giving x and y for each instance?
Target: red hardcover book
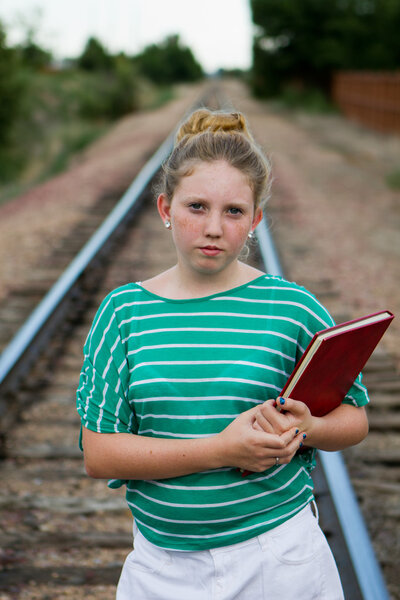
(332, 361)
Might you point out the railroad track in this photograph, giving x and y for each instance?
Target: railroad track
(64, 535)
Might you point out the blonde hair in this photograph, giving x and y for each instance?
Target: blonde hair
(207, 136)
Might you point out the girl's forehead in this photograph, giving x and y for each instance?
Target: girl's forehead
(219, 166)
(207, 174)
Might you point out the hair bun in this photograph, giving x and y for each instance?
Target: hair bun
(204, 120)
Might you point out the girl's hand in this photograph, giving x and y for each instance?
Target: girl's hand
(249, 449)
(344, 426)
(277, 416)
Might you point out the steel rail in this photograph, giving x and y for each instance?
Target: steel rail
(366, 566)
(26, 335)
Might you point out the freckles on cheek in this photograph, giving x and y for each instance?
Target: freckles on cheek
(241, 231)
(187, 224)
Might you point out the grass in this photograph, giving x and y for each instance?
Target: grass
(62, 113)
(151, 97)
(73, 139)
(393, 179)
(308, 99)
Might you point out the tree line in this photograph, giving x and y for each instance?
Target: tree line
(92, 89)
(300, 43)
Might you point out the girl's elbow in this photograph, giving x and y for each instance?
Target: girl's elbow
(366, 427)
(92, 468)
(363, 428)
(93, 454)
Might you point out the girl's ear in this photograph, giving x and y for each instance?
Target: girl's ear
(258, 215)
(164, 207)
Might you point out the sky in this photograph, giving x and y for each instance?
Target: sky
(219, 32)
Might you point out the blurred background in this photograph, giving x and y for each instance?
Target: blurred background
(67, 70)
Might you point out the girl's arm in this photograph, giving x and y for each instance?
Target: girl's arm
(344, 426)
(129, 456)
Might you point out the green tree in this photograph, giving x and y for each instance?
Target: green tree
(303, 41)
(30, 53)
(110, 93)
(11, 94)
(94, 57)
(169, 62)
(34, 56)
(112, 88)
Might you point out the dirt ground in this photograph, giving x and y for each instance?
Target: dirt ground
(329, 199)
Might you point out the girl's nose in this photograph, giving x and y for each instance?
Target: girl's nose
(213, 226)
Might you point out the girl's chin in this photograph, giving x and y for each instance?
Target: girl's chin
(211, 268)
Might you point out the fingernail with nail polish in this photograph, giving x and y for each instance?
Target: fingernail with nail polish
(282, 400)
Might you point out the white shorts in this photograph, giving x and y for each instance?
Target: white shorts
(290, 562)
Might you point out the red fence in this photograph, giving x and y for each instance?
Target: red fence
(369, 97)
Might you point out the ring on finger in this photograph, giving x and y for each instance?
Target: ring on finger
(276, 461)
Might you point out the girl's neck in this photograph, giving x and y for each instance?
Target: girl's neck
(176, 284)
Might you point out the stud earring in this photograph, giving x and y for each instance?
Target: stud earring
(167, 224)
(250, 234)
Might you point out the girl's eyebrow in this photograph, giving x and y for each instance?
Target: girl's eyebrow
(237, 202)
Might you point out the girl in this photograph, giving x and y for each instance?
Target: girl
(178, 388)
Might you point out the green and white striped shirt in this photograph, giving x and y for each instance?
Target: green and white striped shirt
(185, 369)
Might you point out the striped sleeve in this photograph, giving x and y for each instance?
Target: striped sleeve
(102, 401)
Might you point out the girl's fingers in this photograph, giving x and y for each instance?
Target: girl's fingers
(262, 423)
(288, 436)
(277, 450)
(279, 421)
(287, 454)
(290, 404)
(277, 442)
(297, 411)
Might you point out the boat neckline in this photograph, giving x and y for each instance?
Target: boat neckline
(202, 298)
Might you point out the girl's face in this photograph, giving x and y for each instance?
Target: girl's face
(211, 213)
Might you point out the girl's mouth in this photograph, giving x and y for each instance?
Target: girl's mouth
(210, 250)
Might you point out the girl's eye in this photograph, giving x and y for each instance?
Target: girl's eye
(196, 206)
(235, 211)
